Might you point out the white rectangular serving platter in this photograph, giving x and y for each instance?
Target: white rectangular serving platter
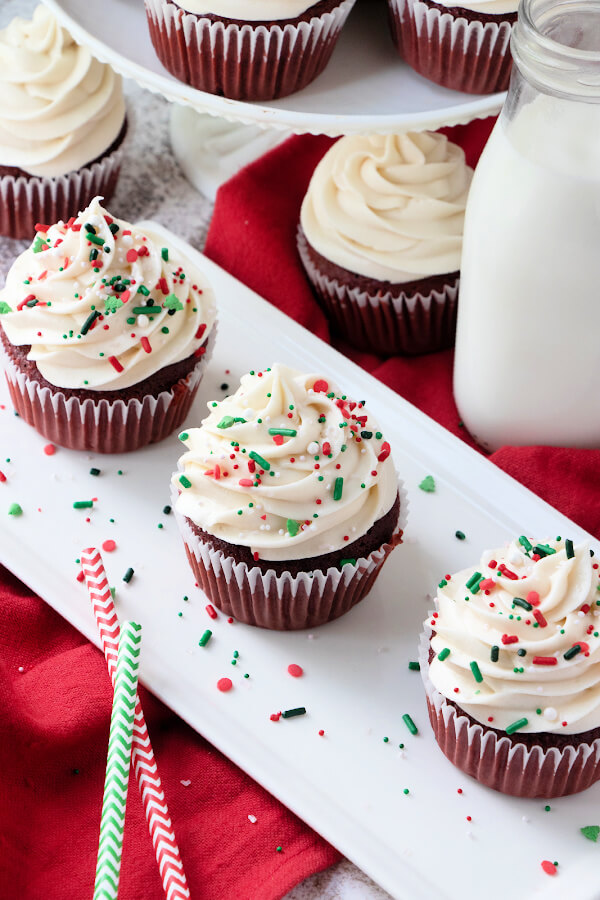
(349, 784)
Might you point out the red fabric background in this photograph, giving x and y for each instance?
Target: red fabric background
(54, 716)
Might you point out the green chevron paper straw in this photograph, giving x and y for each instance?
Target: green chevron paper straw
(112, 823)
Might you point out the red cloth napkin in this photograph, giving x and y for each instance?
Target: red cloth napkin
(54, 714)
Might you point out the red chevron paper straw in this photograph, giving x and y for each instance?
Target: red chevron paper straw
(142, 758)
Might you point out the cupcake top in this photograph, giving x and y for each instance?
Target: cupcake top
(103, 305)
(249, 10)
(286, 466)
(489, 7)
(516, 639)
(389, 207)
(59, 107)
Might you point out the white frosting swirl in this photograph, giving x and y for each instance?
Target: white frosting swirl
(541, 690)
(489, 7)
(249, 10)
(389, 207)
(125, 344)
(324, 484)
(59, 107)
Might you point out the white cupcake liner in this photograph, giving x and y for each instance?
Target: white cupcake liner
(499, 762)
(386, 323)
(472, 56)
(284, 602)
(247, 62)
(103, 426)
(25, 201)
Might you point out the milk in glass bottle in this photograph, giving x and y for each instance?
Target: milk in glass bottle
(527, 365)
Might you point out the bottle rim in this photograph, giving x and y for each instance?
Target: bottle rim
(529, 22)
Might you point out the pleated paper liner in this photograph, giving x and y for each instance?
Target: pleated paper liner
(243, 62)
(502, 762)
(284, 602)
(25, 201)
(386, 324)
(105, 425)
(465, 54)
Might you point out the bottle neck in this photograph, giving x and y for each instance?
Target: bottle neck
(556, 47)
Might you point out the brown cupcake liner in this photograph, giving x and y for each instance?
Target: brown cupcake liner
(105, 425)
(243, 62)
(500, 763)
(386, 324)
(25, 201)
(284, 602)
(471, 56)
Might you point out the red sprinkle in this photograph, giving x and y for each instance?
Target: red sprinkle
(2, 477)
(200, 332)
(146, 344)
(549, 867)
(109, 546)
(224, 684)
(492, 564)
(539, 618)
(533, 597)
(321, 732)
(295, 671)
(278, 439)
(585, 608)
(385, 451)
(544, 661)
(132, 255)
(487, 584)
(326, 448)
(163, 285)
(49, 449)
(40, 227)
(115, 363)
(320, 386)
(230, 620)
(275, 717)
(211, 611)
(507, 573)
(246, 482)
(80, 577)
(510, 638)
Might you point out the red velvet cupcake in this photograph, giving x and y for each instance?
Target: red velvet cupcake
(104, 333)
(290, 528)
(62, 125)
(511, 665)
(462, 46)
(242, 50)
(380, 239)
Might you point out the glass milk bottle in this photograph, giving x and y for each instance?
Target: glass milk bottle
(527, 365)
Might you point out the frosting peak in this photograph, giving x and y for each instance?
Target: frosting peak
(516, 639)
(389, 207)
(59, 107)
(102, 305)
(286, 466)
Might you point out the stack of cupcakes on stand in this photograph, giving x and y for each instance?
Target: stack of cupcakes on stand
(62, 125)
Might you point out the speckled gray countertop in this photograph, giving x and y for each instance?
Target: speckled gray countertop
(152, 186)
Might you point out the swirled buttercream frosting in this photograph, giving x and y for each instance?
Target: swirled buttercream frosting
(59, 107)
(248, 10)
(104, 305)
(389, 207)
(489, 7)
(516, 639)
(287, 466)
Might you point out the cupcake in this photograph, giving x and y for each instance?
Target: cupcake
(256, 50)
(511, 665)
(62, 124)
(380, 238)
(104, 331)
(288, 501)
(462, 46)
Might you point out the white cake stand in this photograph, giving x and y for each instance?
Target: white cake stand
(366, 88)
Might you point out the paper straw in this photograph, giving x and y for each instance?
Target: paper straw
(112, 823)
(144, 764)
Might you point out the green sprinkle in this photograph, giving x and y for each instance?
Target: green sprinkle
(474, 582)
(183, 436)
(260, 460)
(460, 535)
(347, 562)
(89, 321)
(95, 239)
(516, 726)
(569, 549)
(94, 471)
(147, 310)
(236, 654)
(113, 592)
(547, 808)
(165, 253)
(171, 301)
(414, 666)
(495, 653)
(166, 510)
(572, 651)
(338, 488)
(164, 329)
(279, 849)
(131, 320)
(205, 638)
(83, 504)
(444, 654)
(524, 604)
(15, 510)
(525, 543)
(285, 432)
(185, 481)
(180, 614)
(410, 724)
(442, 583)
(226, 422)
(143, 290)
(591, 832)
(112, 304)
(406, 791)
(428, 484)
(476, 672)
(290, 713)
(292, 527)
(543, 550)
